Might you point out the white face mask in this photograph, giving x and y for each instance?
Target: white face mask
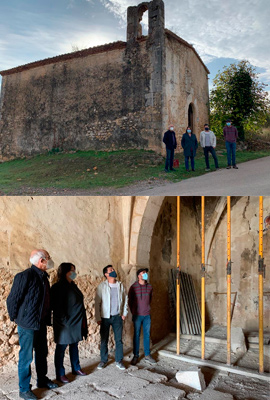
(171, 128)
(50, 264)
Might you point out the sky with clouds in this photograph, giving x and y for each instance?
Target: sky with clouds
(222, 31)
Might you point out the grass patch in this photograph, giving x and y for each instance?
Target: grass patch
(90, 169)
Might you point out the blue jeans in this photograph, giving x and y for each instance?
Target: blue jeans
(231, 149)
(169, 158)
(59, 358)
(32, 340)
(138, 322)
(210, 149)
(191, 161)
(117, 324)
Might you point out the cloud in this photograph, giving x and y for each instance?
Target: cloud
(38, 40)
(229, 29)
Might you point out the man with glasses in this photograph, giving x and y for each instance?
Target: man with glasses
(29, 306)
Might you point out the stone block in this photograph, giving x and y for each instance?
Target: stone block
(238, 343)
(210, 394)
(156, 391)
(192, 378)
(115, 382)
(149, 376)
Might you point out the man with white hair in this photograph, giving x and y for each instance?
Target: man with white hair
(28, 305)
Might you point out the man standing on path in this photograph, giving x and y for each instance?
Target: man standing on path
(28, 305)
(170, 141)
(230, 135)
(111, 308)
(208, 142)
(139, 300)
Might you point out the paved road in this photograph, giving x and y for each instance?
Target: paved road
(251, 179)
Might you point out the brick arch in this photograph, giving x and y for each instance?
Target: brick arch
(144, 216)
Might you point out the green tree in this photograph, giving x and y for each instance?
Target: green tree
(238, 94)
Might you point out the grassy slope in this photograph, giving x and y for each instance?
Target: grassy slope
(84, 170)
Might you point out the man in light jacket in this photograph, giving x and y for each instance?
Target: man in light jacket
(111, 308)
(208, 142)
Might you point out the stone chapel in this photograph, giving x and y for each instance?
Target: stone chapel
(121, 95)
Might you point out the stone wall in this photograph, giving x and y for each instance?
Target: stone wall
(87, 231)
(9, 341)
(244, 255)
(92, 232)
(186, 83)
(163, 259)
(79, 103)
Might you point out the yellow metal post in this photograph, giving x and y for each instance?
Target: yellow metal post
(261, 276)
(178, 279)
(203, 280)
(228, 280)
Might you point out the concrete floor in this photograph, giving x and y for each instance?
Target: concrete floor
(146, 381)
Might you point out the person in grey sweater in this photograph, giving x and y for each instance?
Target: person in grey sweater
(208, 143)
(111, 308)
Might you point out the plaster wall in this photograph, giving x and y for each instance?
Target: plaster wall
(87, 231)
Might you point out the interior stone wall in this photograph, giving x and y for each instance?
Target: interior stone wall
(87, 231)
(163, 258)
(244, 255)
(92, 232)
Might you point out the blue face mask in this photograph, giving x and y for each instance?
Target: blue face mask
(145, 276)
(73, 275)
(113, 274)
(188, 131)
(228, 123)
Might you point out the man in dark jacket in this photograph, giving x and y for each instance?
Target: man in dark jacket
(230, 135)
(28, 305)
(170, 141)
(139, 300)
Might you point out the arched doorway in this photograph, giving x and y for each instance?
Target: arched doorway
(191, 116)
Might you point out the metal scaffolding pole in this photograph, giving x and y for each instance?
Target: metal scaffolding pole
(228, 280)
(178, 279)
(261, 276)
(203, 280)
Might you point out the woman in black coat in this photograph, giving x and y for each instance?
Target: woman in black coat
(69, 320)
(190, 144)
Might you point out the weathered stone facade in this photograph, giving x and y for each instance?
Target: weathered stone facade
(131, 233)
(117, 96)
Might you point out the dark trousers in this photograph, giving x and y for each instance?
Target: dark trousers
(59, 358)
(138, 322)
(117, 324)
(231, 150)
(191, 161)
(32, 340)
(207, 150)
(169, 158)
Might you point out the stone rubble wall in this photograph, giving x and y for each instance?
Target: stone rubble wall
(9, 340)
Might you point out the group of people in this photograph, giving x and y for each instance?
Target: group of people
(189, 144)
(31, 302)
